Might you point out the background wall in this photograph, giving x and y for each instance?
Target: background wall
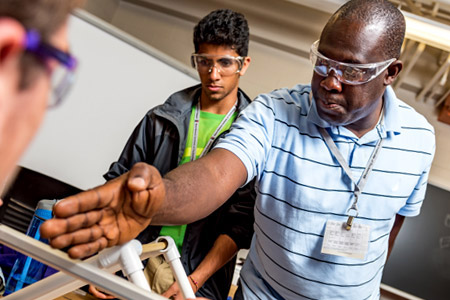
(116, 85)
(281, 34)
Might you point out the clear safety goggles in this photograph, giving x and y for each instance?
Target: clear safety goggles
(347, 73)
(225, 64)
(62, 75)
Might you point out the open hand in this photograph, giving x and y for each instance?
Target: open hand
(108, 215)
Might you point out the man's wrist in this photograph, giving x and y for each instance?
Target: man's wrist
(195, 282)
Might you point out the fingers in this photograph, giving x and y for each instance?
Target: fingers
(146, 203)
(95, 198)
(171, 291)
(85, 235)
(86, 242)
(143, 176)
(178, 296)
(147, 187)
(55, 227)
(93, 290)
(87, 249)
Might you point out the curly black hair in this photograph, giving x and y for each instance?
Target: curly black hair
(223, 27)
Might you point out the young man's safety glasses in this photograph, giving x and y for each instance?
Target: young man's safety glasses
(62, 75)
(347, 73)
(225, 64)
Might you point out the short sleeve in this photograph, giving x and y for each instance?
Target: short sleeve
(415, 200)
(250, 136)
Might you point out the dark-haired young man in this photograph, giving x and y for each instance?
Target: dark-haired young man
(182, 130)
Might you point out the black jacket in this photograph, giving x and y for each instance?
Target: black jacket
(160, 139)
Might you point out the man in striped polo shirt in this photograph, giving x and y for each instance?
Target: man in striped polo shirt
(338, 165)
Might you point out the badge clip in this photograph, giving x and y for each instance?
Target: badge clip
(349, 223)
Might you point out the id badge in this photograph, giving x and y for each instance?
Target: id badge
(352, 243)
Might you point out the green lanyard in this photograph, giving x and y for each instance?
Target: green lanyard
(213, 136)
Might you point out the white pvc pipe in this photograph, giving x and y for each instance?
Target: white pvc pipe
(113, 284)
(138, 278)
(183, 281)
(51, 287)
(131, 264)
(172, 256)
(60, 283)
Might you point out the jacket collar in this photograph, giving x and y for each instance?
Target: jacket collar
(178, 107)
(180, 103)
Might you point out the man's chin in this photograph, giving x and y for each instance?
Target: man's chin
(333, 119)
(216, 97)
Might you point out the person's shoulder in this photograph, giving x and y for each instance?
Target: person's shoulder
(296, 92)
(411, 118)
(179, 102)
(244, 99)
(297, 95)
(185, 94)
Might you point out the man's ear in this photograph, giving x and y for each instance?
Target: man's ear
(12, 35)
(245, 65)
(392, 72)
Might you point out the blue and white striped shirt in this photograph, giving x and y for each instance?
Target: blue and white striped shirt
(300, 186)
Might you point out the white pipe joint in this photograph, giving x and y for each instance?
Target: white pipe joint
(172, 256)
(129, 257)
(171, 251)
(111, 256)
(131, 263)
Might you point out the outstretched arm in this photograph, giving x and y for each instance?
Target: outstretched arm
(196, 189)
(117, 211)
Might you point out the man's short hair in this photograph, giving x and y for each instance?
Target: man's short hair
(223, 27)
(44, 16)
(373, 12)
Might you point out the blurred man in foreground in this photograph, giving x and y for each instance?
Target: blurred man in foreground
(33, 53)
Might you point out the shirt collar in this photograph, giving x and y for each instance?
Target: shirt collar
(391, 122)
(392, 111)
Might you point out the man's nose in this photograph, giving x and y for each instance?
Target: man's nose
(331, 81)
(214, 72)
